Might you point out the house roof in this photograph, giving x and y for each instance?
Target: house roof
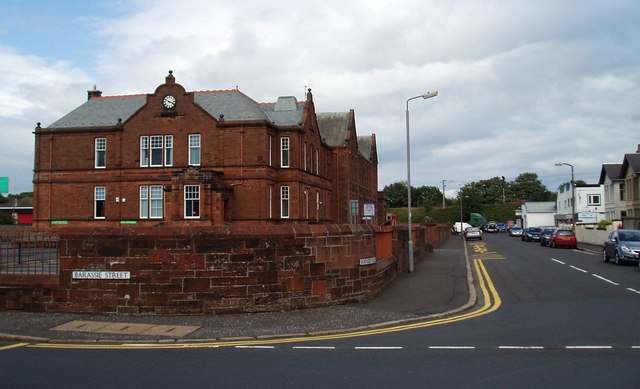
(334, 127)
(539, 207)
(611, 170)
(104, 111)
(101, 112)
(631, 161)
(364, 146)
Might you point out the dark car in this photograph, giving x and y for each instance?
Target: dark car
(623, 246)
(492, 227)
(546, 235)
(531, 234)
(562, 237)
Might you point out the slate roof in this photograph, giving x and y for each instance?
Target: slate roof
(101, 112)
(286, 111)
(611, 170)
(364, 146)
(104, 111)
(631, 161)
(334, 127)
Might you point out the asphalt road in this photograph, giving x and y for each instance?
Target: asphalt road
(553, 318)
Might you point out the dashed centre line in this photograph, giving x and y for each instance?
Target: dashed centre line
(578, 269)
(605, 279)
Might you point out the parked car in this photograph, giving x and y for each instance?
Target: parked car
(531, 234)
(515, 231)
(492, 227)
(502, 227)
(459, 227)
(622, 245)
(562, 237)
(472, 233)
(546, 235)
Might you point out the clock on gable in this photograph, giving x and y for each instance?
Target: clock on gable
(169, 102)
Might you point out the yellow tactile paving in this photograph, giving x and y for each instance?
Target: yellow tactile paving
(101, 327)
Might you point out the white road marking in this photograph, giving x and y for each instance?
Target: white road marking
(605, 280)
(521, 348)
(313, 348)
(560, 262)
(578, 269)
(258, 347)
(378, 348)
(633, 290)
(452, 347)
(588, 347)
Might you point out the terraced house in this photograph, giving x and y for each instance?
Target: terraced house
(179, 158)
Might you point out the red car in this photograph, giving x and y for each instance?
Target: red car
(563, 238)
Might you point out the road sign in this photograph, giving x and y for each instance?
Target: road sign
(4, 184)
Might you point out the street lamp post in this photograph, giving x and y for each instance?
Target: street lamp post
(573, 195)
(425, 96)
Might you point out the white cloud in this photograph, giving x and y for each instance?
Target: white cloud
(522, 84)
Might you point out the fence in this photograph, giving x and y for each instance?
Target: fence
(28, 257)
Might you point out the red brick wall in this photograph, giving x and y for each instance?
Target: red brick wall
(228, 269)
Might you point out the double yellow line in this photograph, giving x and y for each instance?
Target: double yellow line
(491, 302)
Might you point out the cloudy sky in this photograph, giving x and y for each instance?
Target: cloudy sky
(522, 84)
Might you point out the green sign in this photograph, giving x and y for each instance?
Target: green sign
(128, 222)
(4, 184)
(59, 222)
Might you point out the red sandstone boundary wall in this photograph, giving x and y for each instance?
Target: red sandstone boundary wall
(225, 269)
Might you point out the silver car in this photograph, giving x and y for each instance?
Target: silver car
(623, 246)
(472, 233)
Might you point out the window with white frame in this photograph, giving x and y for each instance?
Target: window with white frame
(192, 201)
(151, 204)
(194, 149)
(304, 155)
(100, 195)
(168, 150)
(284, 202)
(101, 152)
(270, 151)
(270, 201)
(156, 150)
(144, 151)
(284, 152)
(593, 199)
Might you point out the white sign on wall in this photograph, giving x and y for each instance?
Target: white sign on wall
(367, 261)
(100, 275)
(369, 209)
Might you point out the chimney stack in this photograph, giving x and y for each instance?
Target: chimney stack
(93, 93)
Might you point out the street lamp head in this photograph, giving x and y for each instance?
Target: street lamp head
(559, 164)
(429, 95)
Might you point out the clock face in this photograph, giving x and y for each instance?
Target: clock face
(169, 102)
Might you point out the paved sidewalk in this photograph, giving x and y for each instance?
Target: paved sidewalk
(439, 284)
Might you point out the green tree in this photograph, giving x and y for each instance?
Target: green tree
(396, 193)
(528, 187)
(426, 196)
(487, 191)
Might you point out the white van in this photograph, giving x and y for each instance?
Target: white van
(458, 227)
